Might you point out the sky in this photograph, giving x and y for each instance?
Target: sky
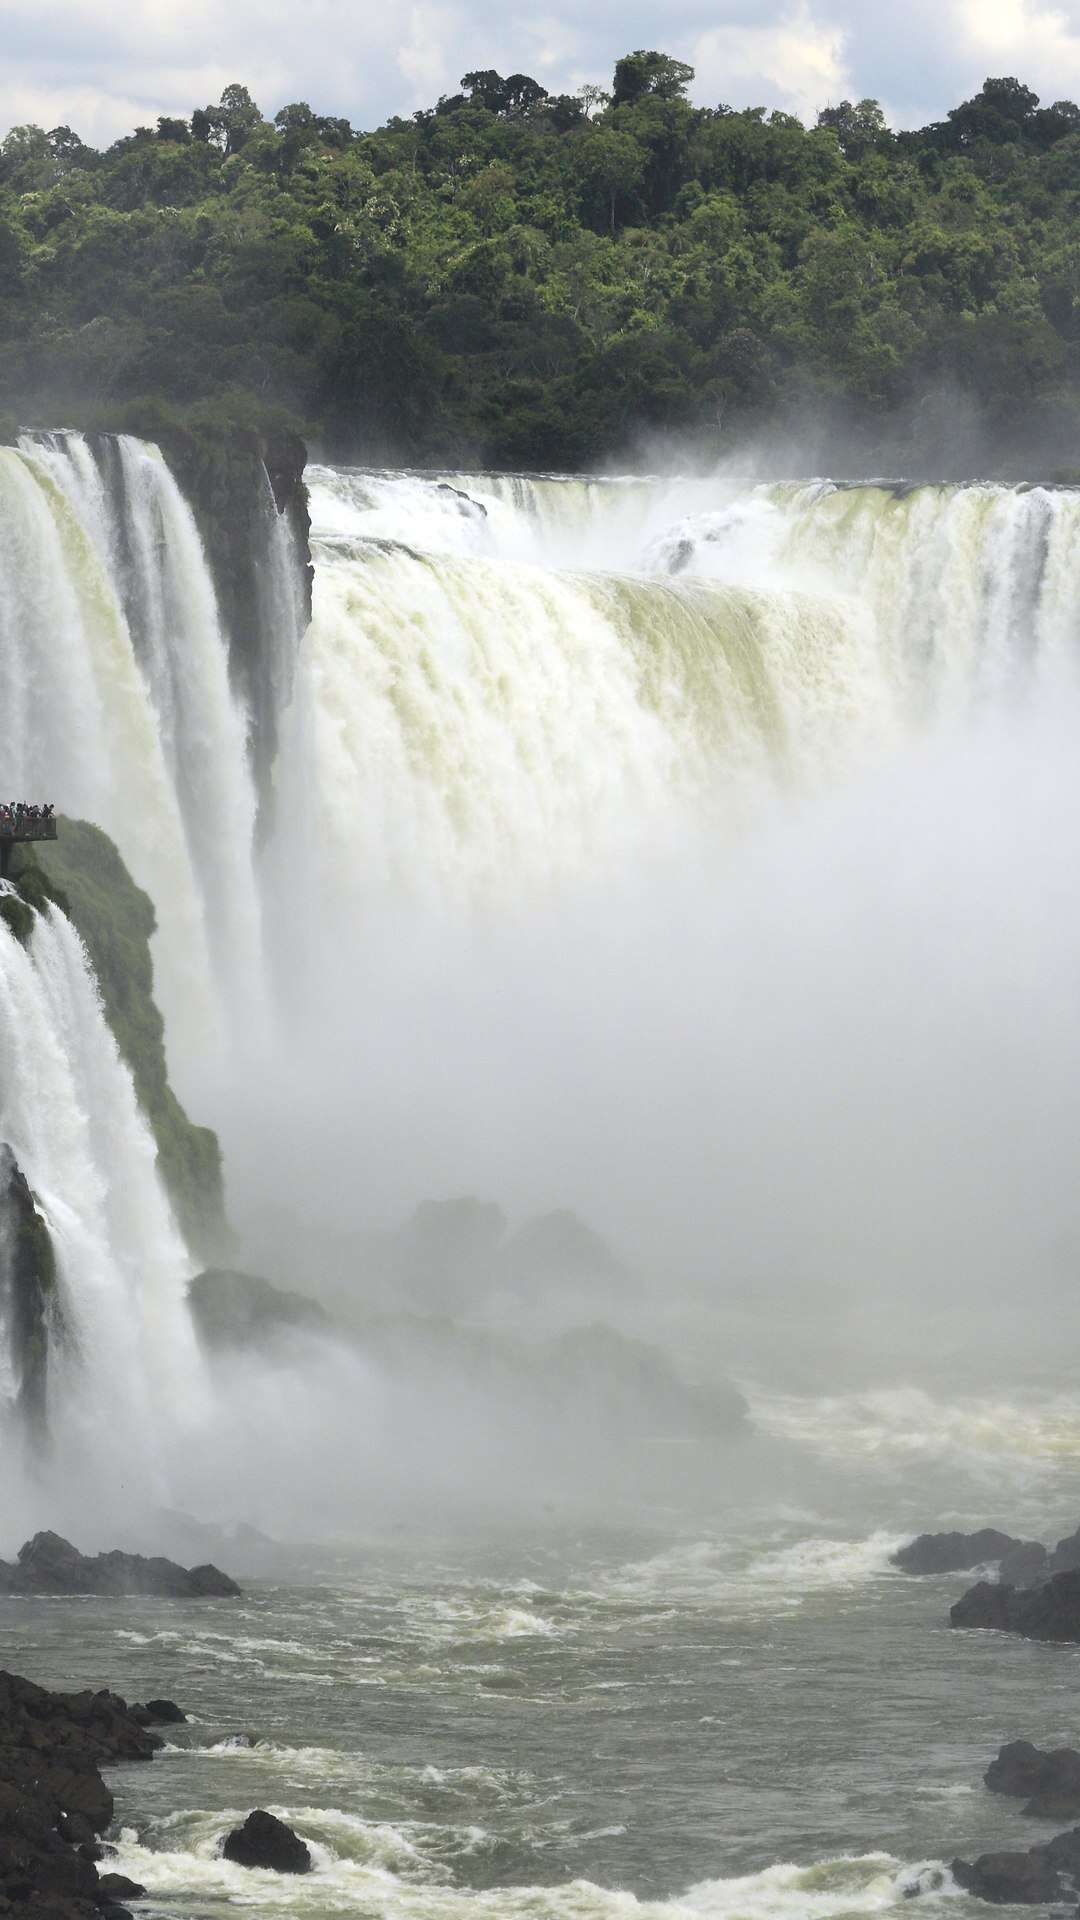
(104, 70)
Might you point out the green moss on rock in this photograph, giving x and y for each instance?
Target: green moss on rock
(17, 917)
(84, 874)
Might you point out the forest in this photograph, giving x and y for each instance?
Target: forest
(545, 281)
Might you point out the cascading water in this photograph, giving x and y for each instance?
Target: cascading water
(160, 599)
(473, 722)
(124, 1374)
(515, 692)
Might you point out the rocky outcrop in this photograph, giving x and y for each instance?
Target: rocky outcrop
(265, 1841)
(27, 1290)
(54, 1802)
(83, 873)
(1049, 1783)
(234, 1309)
(1065, 1557)
(1020, 1563)
(955, 1552)
(1050, 1611)
(1010, 1879)
(1043, 1873)
(50, 1564)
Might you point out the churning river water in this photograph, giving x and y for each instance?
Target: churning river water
(753, 1715)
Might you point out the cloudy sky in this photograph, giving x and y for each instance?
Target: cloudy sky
(105, 68)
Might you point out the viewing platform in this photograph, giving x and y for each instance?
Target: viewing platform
(19, 824)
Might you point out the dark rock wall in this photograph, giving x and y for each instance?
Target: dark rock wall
(27, 1289)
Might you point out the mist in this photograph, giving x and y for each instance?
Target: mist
(666, 1020)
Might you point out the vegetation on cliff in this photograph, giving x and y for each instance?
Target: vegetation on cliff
(84, 874)
(523, 278)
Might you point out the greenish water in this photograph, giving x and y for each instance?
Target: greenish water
(755, 1719)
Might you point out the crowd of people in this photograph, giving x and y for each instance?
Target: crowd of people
(16, 816)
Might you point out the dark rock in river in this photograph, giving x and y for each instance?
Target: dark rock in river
(1066, 1555)
(264, 1841)
(53, 1799)
(956, 1552)
(164, 1713)
(50, 1564)
(1007, 1879)
(1026, 1564)
(1050, 1611)
(117, 1886)
(1049, 1782)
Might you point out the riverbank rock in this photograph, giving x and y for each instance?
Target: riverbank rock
(265, 1841)
(53, 1800)
(49, 1564)
(957, 1552)
(1050, 1611)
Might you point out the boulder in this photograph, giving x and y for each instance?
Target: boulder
(117, 1886)
(956, 1552)
(1007, 1879)
(1049, 1782)
(1049, 1611)
(265, 1841)
(49, 1564)
(986, 1604)
(166, 1713)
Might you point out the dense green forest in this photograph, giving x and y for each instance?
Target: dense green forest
(533, 280)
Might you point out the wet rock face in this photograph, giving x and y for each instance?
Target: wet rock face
(1009, 1879)
(27, 1289)
(265, 1841)
(956, 1552)
(1048, 1782)
(50, 1564)
(53, 1800)
(1050, 1611)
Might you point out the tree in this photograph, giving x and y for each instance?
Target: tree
(858, 128)
(484, 88)
(231, 123)
(637, 74)
(609, 166)
(1001, 111)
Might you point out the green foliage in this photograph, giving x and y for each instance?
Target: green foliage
(526, 279)
(83, 873)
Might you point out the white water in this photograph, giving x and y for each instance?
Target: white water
(119, 708)
(123, 1373)
(475, 723)
(598, 808)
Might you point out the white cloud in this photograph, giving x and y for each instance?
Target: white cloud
(796, 62)
(102, 70)
(1020, 33)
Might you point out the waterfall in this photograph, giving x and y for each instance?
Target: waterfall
(124, 1372)
(517, 692)
(144, 537)
(483, 710)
